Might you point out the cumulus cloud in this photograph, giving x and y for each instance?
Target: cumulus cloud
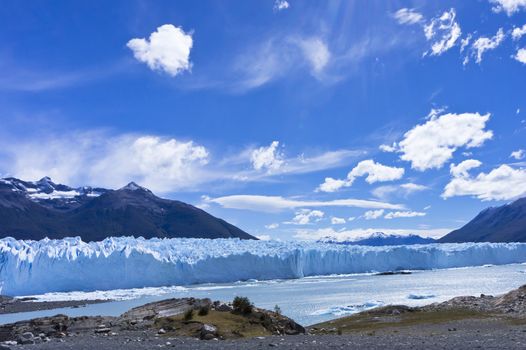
(167, 49)
(521, 56)
(463, 168)
(518, 32)
(332, 185)
(518, 154)
(508, 6)
(432, 144)
(306, 216)
(337, 221)
(484, 44)
(373, 214)
(408, 16)
(280, 5)
(100, 159)
(267, 158)
(443, 32)
(274, 204)
(403, 214)
(502, 183)
(375, 172)
(360, 233)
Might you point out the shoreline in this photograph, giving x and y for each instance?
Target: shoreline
(487, 321)
(9, 305)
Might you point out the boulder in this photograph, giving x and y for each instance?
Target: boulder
(208, 332)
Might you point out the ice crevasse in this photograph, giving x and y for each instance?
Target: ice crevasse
(35, 267)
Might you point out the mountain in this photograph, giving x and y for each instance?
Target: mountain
(497, 224)
(381, 239)
(34, 210)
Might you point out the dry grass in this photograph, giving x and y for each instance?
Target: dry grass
(229, 325)
(383, 318)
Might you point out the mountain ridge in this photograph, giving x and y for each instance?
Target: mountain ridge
(35, 210)
(506, 223)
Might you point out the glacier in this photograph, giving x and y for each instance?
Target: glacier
(37, 267)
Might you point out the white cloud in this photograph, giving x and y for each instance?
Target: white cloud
(351, 218)
(443, 32)
(332, 185)
(168, 50)
(502, 183)
(403, 214)
(316, 52)
(264, 237)
(387, 148)
(508, 6)
(406, 189)
(267, 158)
(373, 214)
(518, 32)
(375, 172)
(337, 221)
(521, 55)
(272, 226)
(484, 44)
(100, 159)
(462, 169)
(518, 154)
(432, 144)
(408, 16)
(412, 187)
(306, 216)
(280, 5)
(280, 56)
(360, 233)
(465, 42)
(277, 203)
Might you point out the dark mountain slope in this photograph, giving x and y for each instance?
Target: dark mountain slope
(26, 212)
(501, 224)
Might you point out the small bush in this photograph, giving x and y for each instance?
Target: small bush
(203, 310)
(242, 305)
(188, 314)
(277, 309)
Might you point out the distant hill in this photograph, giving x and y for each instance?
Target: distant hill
(34, 210)
(499, 224)
(381, 239)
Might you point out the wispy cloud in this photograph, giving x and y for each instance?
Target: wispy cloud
(274, 204)
(162, 163)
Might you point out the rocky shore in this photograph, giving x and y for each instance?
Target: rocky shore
(462, 322)
(9, 305)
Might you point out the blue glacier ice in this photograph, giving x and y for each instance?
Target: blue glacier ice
(35, 267)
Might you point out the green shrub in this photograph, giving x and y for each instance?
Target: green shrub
(203, 310)
(277, 309)
(242, 305)
(188, 314)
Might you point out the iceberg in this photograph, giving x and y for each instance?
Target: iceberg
(36, 267)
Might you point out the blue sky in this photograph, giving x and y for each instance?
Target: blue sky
(293, 120)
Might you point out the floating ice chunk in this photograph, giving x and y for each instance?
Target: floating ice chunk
(420, 296)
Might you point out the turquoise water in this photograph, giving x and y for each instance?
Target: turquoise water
(314, 299)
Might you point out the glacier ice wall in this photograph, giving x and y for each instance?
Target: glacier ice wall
(35, 267)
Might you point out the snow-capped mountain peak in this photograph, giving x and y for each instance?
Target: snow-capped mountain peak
(45, 191)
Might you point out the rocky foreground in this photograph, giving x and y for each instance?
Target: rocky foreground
(462, 322)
